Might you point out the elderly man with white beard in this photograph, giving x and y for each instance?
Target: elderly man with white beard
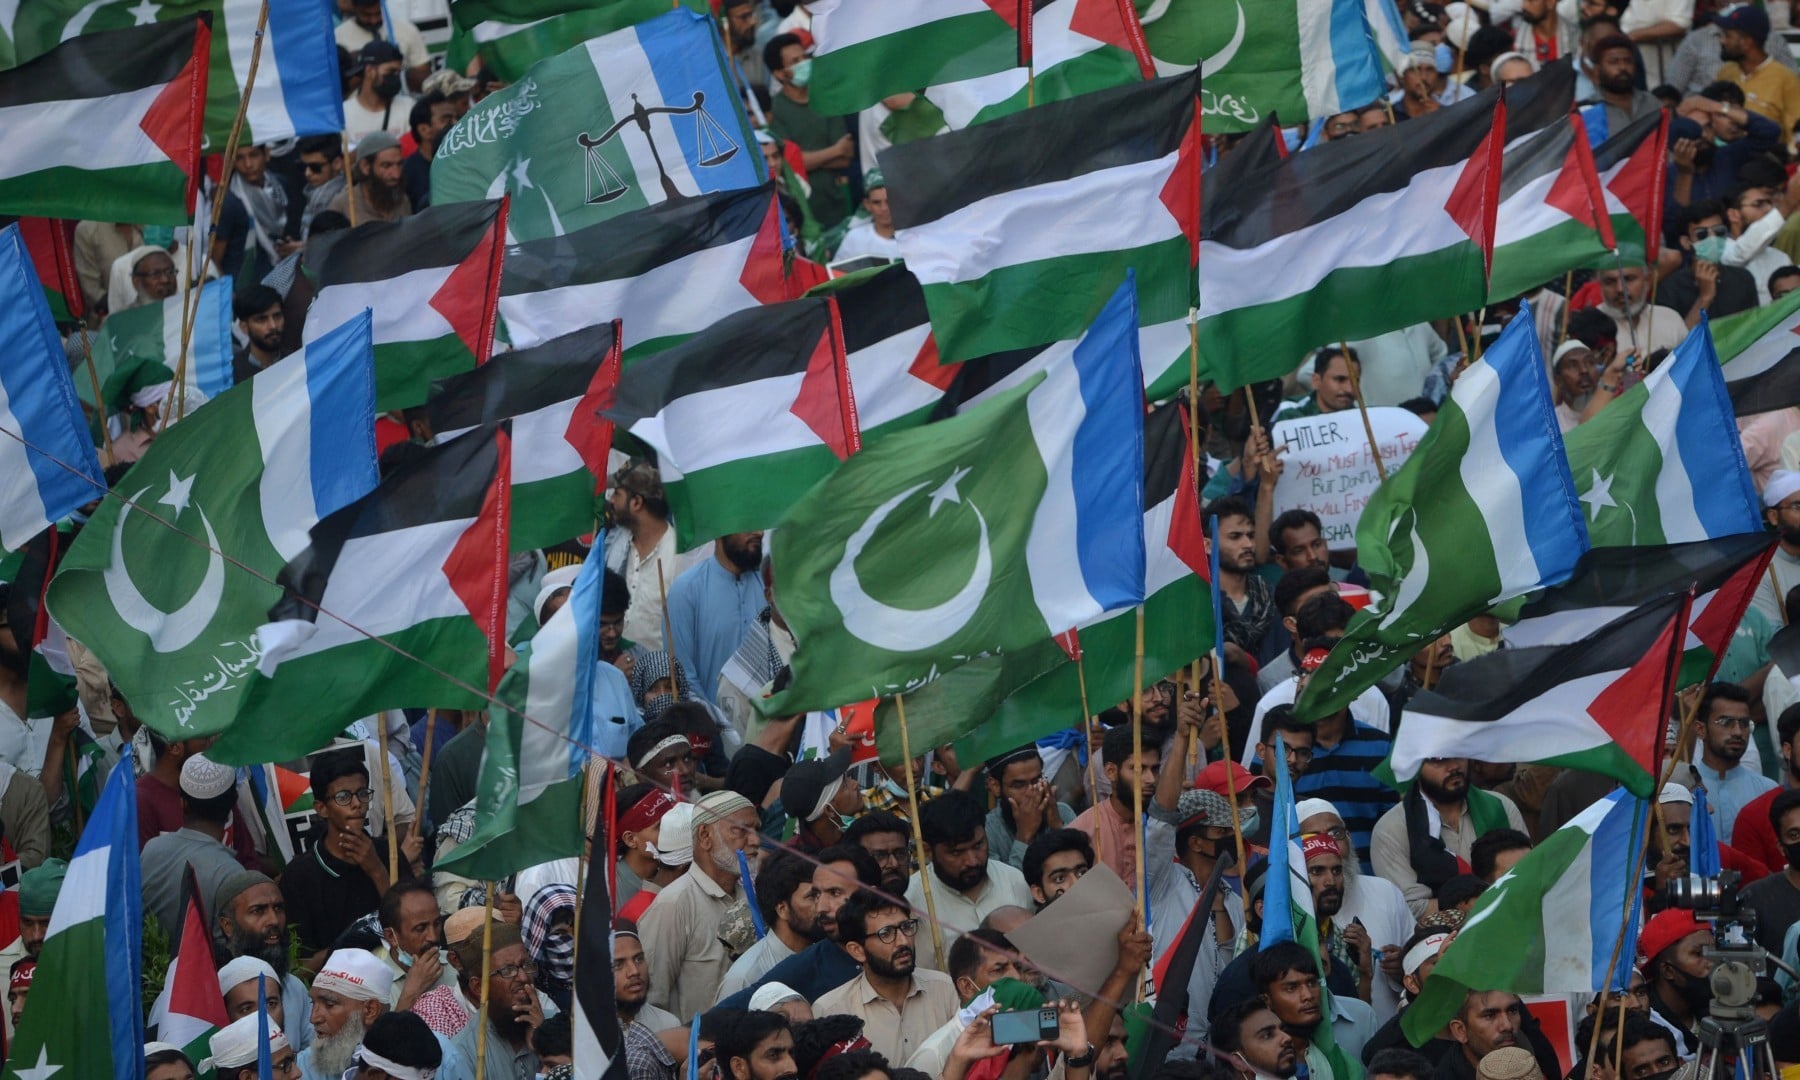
(352, 989)
(1375, 902)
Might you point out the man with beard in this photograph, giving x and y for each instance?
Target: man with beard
(348, 993)
(1025, 806)
(1373, 902)
(740, 32)
(1286, 975)
(1616, 82)
(838, 873)
(377, 106)
(1251, 1032)
(1488, 1020)
(1642, 328)
(1249, 600)
(1109, 823)
(646, 1058)
(1346, 749)
(713, 605)
(1781, 512)
(641, 547)
(1055, 861)
(322, 168)
(965, 883)
(1543, 34)
(1723, 726)
(259, 315)
(431, 116)
(1776, 898)
(375, 180)
(1201, 823)
(884, 835)
(754, 1045)
(1754, 211)
(789, 902)
(900, 1004)
(1347, 943)
(1419, 847)
(1752, 835)
(1673, 943)
(38, 889)
(680, 931)
(514, 1011)
(1333, 389)
(251, 920)
(1769, 88)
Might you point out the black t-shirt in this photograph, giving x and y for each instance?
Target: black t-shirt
(454, 771)
(325, 895)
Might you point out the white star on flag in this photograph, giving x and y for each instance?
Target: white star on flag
(43, 1070)
(1599, 495)
(947, 492)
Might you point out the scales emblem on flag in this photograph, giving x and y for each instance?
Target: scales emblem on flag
(603, 181)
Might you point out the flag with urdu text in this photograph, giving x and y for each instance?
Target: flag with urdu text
(251, 473)
(1760, 349)
(1483, 511)
(1549, 924)
(92, 957)
(1663, 464)
(298, 86)
(1300, 59)
(399, 600)
(1031, 503)
(528, 806)
(135, 97)
(1020, 229)
(433, 281)
(612, 125)
(512, 35)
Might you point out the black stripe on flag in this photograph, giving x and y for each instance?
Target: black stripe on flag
(1138, 122)
(1540, 154)
(1165, 448)
(598, 1038)
(439, 483)
(743, 347)
(633, 244)
(1632, 576)
(888, 301)
(1625, 142)
(102, 64)
(1775, 387)
(522, 381)
(1493, 686)
(435, 237)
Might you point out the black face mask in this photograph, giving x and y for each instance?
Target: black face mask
(1695, 993)
(388, 86)
(1792, 853)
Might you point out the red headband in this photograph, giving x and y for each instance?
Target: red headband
(21, 974)
(1313, 659)
(646, 812)
(1318, 843)
(855, 1042)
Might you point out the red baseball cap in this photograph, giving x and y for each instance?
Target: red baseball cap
(1666, 929)
(1213, 777)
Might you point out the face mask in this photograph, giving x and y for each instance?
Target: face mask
(404, 959)
(389, 86)
(1711, 249)
(801, 73)
(159, 235)
(1792, 852)
(1446, 60)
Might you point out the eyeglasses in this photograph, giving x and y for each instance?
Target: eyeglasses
(514, 971)
(314, 166)
(1347, 127)
(1741, 723)
(886, 935)
(890, 856)
(360, 795)
(165, 274)
(1792, 504)
(1701, 232)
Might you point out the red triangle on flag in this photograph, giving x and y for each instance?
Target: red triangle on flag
(588, 432)
(1115, 23)
(1633, 709)
(1070, 642)
(194, 982)
(470, 294)
(1716, 622)
(1638, 183)
(927, 366)
(1181, 192)
(763, 276)
(1187, 536)
(478, 562)
(824, 403)
(1476, 197)
(175, 118)
(1576, 189)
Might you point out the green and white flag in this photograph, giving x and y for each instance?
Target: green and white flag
(863, 51)
(1663, 464)
(153, 332)
(512, 35)
(1758, 348)
(614, 124)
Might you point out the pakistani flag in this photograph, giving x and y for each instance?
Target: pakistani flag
(250, 473)
(553, 395)
(1553, 212)
(1663, 463)
(1031, 505)
(512, 35)
(1299, 59)
(1760, 349)
(744, 416)
(153, 332)
(667, 271)
(1549, 924)
(1599, 704)
(999, 702)
(92, 957)
(613, 125)
(399, 600)
(432, 280)
(863, 52)
(297, 92)
(1020, 229)
(134, 98)
(1483, 511)
(528, 801)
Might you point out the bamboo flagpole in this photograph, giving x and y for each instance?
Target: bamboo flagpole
(1137, 756)
(1218, 607)
(662, 587)
(425, 760)
(912, 803)
(1368, 425)
(487, 957)
(387, 802)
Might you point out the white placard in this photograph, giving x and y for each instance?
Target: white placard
(1327, 467)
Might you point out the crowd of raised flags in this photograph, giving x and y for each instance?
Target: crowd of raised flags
(1005, 502)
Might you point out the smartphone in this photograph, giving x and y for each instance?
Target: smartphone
(1025, 1026)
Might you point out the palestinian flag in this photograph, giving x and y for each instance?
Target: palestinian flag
(667, 271)
(1020, 229)
(744, 416)
(598, 1039)
(266, 796)
(894, 370)
(512, 35)
(863, 52)
(553, 395)
(48, 242)
(1610, 583)
(431, 279)
(1760, 349)
(400, 600)
(528, 806)
(995, 703)
(107, 127)
(153, 332)
(1599, 704)
(191, 1006)
(1633, 173)
(1553, 215)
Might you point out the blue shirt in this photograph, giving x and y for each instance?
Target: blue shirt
(710, 611)
(1727, 793)
(1343, 776)
(613, 714)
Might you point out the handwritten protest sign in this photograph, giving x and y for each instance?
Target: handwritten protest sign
(1327, 467)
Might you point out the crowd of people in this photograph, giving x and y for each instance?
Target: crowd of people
(779, 912)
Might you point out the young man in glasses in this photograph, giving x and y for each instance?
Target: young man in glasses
(322, 169)
(900, 1003)
(1724, 723)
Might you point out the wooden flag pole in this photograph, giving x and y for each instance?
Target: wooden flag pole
(1193, 754)
(87, 354)
(1568, 305)
(387, 802)
(1368, 425)
(487, 956)
(425, 760)
(912, 803)
(350, 173)
(1637, 875)
(662, 588)
(1231, 783)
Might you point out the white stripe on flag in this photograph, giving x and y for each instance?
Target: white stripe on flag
(281, 408)
(387, 583)
(882, 380)
(1083, 215)
(266, 112)
(1052, 550)
(719, 426)
(1318, 70)
(624, 70)
(540, 450)
(84, 891)
(1674, 488)
(840, 24)
(1526, 214)
(22, 511)
(1497, 492)
(491, 30)
(37, 136)
(1550, 724)
(402, 307)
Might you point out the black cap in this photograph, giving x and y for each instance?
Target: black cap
(807, 780)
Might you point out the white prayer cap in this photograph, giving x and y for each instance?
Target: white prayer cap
(771, 995)
(241, 970)
(1675, 793)
(1567, 347)
(161, 1047)
(675, 836)
(203, 778)
(234, 1045)
(1306, 808)
(357, 974)
(1461, 22)
(1782, 483)
(551, 584)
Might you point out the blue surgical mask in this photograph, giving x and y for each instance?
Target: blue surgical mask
(1446, 60)
(159, 235)
(801, 73)
(1711, 249)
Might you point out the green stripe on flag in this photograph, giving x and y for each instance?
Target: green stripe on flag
(743, 495)
(852, 78)
(547, 512)
(154, 194)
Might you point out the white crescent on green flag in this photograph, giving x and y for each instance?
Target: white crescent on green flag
(613, 125)
(251, 473)
(153, 332)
